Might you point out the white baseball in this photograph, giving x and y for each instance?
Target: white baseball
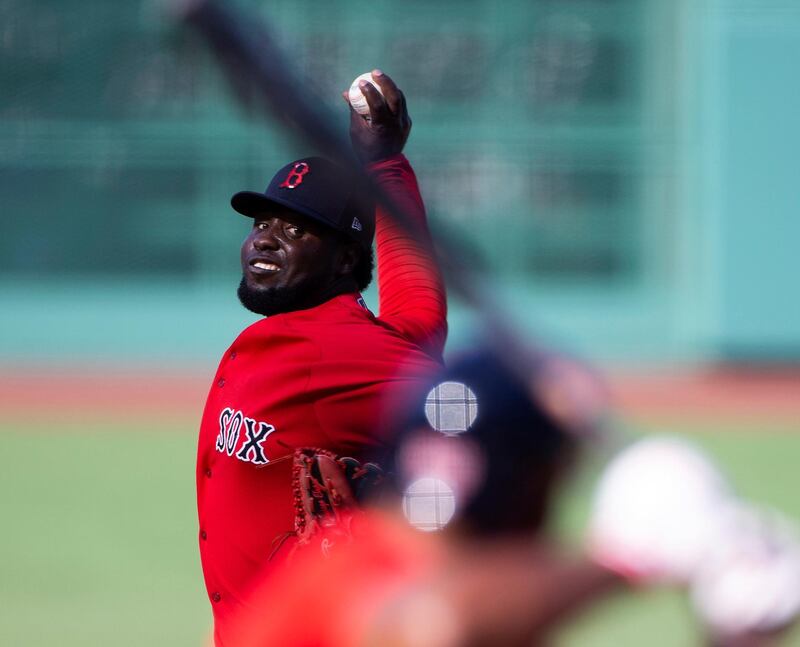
(357, 98)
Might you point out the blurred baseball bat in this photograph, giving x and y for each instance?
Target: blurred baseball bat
(258, 70)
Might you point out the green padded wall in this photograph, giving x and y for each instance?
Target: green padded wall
(566, 140)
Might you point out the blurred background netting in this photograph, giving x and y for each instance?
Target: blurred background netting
(623, 168)
(623, 172)
(551, 134)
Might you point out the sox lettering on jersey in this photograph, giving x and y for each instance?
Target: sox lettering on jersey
(230, 426)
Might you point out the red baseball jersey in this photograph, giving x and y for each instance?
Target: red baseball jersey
(321, 377)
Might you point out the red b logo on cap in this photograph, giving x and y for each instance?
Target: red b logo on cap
(295, 176)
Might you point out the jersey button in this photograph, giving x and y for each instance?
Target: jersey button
(221, 382)
(233, 354)
(203, 535)
(208, 472)
(216, 597)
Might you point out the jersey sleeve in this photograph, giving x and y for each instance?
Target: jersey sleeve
(411, 290)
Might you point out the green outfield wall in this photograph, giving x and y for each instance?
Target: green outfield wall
(623, 170)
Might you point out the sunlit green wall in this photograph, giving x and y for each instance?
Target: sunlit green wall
(758, 179)
(623, 168)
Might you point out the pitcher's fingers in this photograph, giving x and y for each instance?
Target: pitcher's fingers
(391, 93)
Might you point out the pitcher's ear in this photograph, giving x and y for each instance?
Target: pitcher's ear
(347, 258)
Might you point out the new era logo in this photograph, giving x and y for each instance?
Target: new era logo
(356, 225)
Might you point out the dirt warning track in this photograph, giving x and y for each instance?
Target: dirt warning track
(72, 394)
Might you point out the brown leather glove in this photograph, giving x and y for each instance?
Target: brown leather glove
(326, 490)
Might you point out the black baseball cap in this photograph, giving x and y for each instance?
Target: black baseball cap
(513, 441)
(320, 189)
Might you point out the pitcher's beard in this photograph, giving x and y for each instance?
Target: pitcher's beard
(269, 301)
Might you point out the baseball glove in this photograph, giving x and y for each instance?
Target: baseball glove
(327, 489)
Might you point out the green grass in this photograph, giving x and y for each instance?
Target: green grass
(98, 543)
